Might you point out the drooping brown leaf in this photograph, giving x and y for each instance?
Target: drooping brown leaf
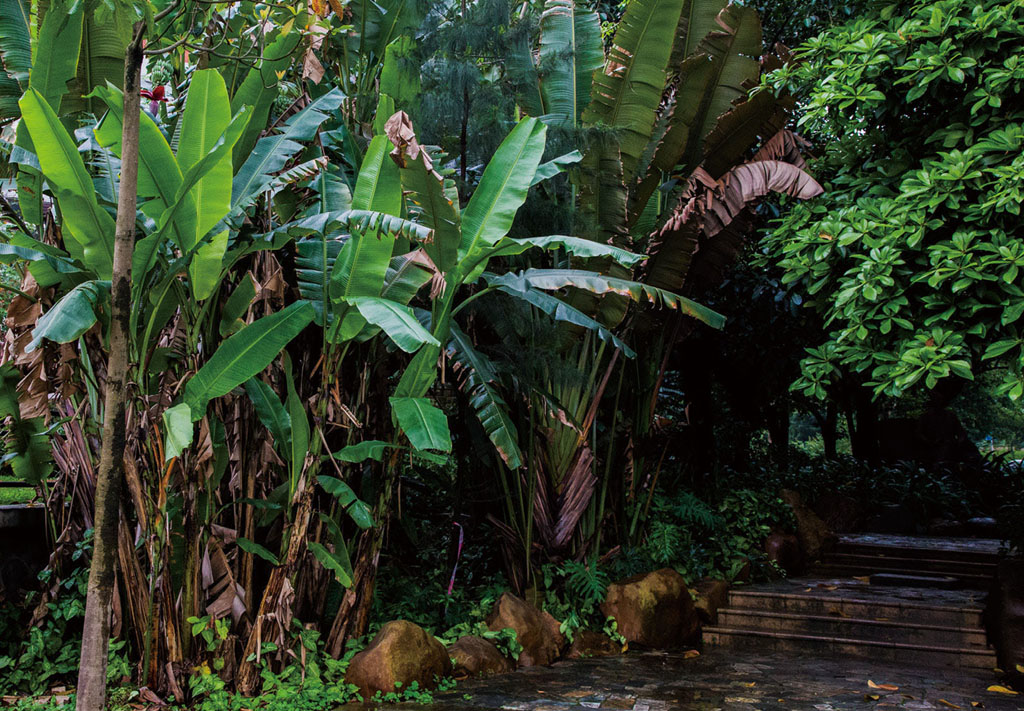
(785, 146)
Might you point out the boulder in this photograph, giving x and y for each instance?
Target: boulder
(537, 631)
(653, 609)
(592, 644)
(476, 656)
(784, 549)
(712, 594)
(402, 652)
(814, 535)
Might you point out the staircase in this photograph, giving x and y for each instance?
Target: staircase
(891, 599)
(967, 563)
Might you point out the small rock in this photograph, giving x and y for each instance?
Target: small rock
(784, 549)
(537, 631)
(592, 644)
(402, 652)
(476, 656)
(653, 609)
(814, 535)
(712, 594)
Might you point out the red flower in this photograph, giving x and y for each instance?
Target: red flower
(156, 94)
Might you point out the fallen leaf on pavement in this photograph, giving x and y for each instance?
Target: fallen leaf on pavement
(862, 578)
(1002, 690)
(883, 687)
(690, 654)
(871, 697)
(949, 704)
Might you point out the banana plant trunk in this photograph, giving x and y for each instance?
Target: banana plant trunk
(92, 674)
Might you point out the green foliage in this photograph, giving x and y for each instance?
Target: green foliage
(912, 257)
(700, 540)
(48, 655)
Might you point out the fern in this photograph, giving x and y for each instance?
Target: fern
(689, 509)
(664, 542)
(585, 586)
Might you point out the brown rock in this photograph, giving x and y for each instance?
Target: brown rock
(712, 594)
(536, 631)
(402, 652)
(653, 609)
(592, 644)
(814, 535)
(784, 549)
(476, 656)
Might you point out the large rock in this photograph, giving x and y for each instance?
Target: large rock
(476, 656)
(784, 549)
(402, 652)
(537, 631)
(814, 535)
(653, 609)
(592, 644)
(712, 594)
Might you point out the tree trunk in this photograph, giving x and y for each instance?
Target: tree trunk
(92, 674)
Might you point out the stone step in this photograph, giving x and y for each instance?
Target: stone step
(936, 563)
(972, 581)
(878, 630)
(980, 551)
(858, 606)
(924, 655)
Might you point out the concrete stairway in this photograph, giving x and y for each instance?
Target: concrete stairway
(952, 563)
(938, 623)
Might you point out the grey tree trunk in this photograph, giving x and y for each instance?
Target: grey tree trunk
(92, 674)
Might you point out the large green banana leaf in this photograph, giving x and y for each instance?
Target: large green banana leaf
(576, 246)
(434, 206)
(16, 39)
(244, 355)
(145, 249)
(73, 315)
(710, 82)
(159, 171)
(105, 35)
(698, 18)
(260, 88)
(271, 412)
(363, 262)
(396, 320)
(503, 187)
(479, 381)
(55, 55)
(314, 262)
(26, 440)
(206, 117)
(90, 229)
(422, 422)
(570, 52)
(561, 311)
(554, 279)
(273, 152)
(626, 95)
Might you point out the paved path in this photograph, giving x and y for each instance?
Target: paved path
(728, 681)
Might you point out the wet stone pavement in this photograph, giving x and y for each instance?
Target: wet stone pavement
(728, 681)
